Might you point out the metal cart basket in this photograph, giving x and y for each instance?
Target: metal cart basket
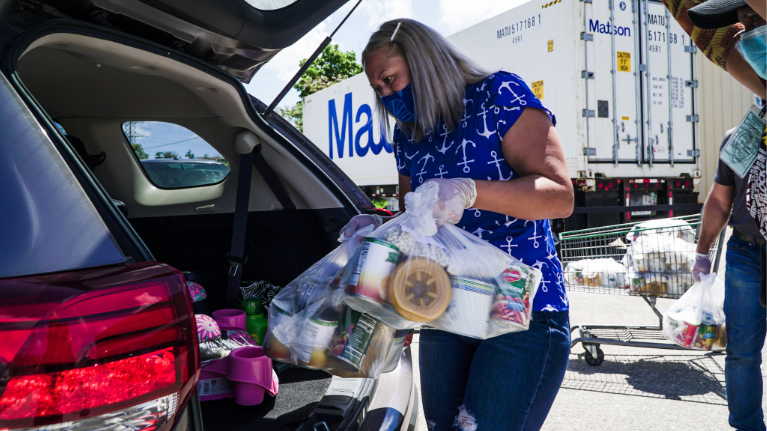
(650, 259)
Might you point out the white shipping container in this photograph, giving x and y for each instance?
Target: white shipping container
(602, 67)
(617, 74)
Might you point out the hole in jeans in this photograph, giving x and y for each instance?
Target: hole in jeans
(465, 420)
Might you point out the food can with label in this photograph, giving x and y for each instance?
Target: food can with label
(512, 302)
(272, 345)
(469, 311)
(353, 338)
(375, 262)
(314, 340)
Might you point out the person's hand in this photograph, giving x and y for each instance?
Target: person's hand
(455, 195)
(702, 266)
(356, 224)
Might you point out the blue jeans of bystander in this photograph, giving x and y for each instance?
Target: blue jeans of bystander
(503, 383)
(746, 329)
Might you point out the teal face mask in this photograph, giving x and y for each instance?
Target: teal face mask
(753, 48)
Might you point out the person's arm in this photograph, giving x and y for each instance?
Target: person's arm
(716, 212)
(739, 69)
(543, 189)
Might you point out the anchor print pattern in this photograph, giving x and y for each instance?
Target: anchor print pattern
(472, 149)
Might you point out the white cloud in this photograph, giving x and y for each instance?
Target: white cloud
(455, 15)
(380, 11)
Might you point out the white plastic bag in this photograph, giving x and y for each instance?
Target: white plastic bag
(673, 228)
(696, 320)
(660, 252)
(603, 272)
(411, 273)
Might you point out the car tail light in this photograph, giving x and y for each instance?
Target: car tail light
(111, 348)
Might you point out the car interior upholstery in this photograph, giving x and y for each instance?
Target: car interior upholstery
(91, 86)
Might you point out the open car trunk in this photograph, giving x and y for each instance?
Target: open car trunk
(103, 79)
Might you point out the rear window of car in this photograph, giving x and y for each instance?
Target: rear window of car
(174, 157)
(48, 224)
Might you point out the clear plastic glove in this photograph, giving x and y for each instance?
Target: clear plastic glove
(356, 224)
(702, 266)
(455, 195)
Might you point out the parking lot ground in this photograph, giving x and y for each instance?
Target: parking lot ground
(634, 388)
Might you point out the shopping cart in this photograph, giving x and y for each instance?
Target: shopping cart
(650, 259)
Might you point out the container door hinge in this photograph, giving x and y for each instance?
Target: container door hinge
(692, 49)
(693, 118)
(585, 74)
(586, 1)
(693, 153)
(586, 36)
(589, 151)
(642, 67)
(691, 84)
(588, 113)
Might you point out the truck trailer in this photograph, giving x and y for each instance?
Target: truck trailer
(618, 74)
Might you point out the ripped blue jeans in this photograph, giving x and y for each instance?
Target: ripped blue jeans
(503, 383)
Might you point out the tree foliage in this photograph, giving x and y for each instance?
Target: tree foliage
(332, 67)
(189, 154)
(166, 155)
(139, 150)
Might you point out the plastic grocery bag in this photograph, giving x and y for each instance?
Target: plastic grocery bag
(659, 252)
(411, 273)
(674, 228)
(602, 272)
(308, 291)
(307, 328)
(696, 320)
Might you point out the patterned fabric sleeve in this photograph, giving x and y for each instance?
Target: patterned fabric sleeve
(403, 165)
(714, 44)
(756, 195)
(508, 96)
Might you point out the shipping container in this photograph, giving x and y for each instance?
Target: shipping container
(619, 75)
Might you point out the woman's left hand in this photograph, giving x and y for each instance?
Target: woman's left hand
(455, 195)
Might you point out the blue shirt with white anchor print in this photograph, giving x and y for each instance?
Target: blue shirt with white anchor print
(473, 150)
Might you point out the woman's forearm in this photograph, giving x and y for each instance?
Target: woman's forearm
(532, 197)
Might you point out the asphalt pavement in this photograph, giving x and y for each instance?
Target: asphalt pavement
(634, 388)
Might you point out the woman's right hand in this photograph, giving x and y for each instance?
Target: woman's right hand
(358, 222)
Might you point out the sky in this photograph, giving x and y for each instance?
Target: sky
(445, 16)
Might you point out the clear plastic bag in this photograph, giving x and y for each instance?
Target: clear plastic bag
(309, 291)
(603, 272)
(673, 228)
(411, 273)
(306, 327)
(696, 320)
(660, 252)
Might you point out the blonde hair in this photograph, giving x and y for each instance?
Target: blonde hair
(439, 74)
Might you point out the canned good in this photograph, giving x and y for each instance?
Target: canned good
(273, 346)
(512, 303)
(685, 333)
(353, 339)
(375, 262)
(468, 312)
(314, 341)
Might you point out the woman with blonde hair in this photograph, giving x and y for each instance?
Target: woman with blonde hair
(491, 146)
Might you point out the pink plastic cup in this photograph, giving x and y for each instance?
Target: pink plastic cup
(251, 372)
(230, 318)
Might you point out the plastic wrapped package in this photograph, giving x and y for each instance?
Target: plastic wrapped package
(673, 228)
(602, 272)
(696, 320)
(660, 253)
(411, 273)
(309, 290)
(651, 283)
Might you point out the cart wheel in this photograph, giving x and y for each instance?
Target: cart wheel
(594, 361)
